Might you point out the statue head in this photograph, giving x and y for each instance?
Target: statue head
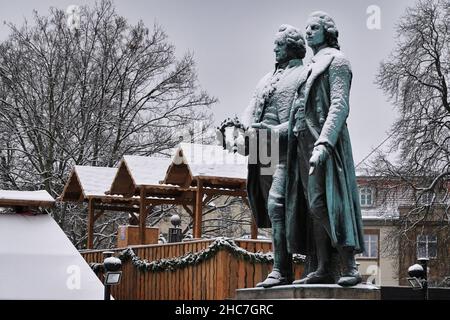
(289, 44)
(321, 31)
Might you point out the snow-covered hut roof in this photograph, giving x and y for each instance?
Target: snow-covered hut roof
(191, 160)
(214, 161)
(40, 262)
(39, 198)
(138, 171)
(87, 181)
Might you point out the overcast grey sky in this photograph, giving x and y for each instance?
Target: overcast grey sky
(232, 42)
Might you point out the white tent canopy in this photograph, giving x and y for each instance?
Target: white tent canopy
(38, 262)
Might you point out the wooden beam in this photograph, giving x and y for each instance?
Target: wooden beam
(26, 203)
(165, 187)
(117, 200)
(227, 192)
(142, 217)
(198, 210)
(90, 225)
(188, 210)
(156, 202)
(254, 228)
(221, 180)
(108, 207)
(175, 200)
(128, 203)
(98, 215)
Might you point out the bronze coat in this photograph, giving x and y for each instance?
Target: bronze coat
(280, 104)
(326, 94)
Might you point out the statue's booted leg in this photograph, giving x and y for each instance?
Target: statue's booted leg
(350, 275)
(323, 274)
(282, 267)
(320, 231)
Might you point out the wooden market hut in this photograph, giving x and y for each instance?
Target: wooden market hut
(212, 171)
(194, 174)
(89, 184)
(140, 176)
(190, 179)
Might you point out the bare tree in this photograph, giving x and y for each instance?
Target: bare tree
(416, 78)
(88, 95)
(226, 216)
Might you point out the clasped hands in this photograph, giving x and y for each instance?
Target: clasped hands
(262, 125)
(319, 155)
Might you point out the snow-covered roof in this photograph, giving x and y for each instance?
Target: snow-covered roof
(200, 160)
(211, 161)
(147, 171)
(87, 181)
(386, 217)
(40, 262)
(136, 171)
(39, 198)
(95, 181)
(379, 213)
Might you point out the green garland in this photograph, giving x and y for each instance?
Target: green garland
(191, 259)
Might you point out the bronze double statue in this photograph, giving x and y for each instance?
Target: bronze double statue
(311, 198)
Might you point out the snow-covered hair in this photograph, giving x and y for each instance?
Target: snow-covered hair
(294, 39)
(331, 32)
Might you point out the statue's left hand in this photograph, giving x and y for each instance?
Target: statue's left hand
(318, 157)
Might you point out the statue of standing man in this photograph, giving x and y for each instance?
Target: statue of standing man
(321, 192)
(269, 111)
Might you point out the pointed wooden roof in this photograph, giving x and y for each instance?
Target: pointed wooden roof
(86, 181)
(137, 172)
(214, 165)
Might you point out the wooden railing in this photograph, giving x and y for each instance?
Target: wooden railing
(214, 279)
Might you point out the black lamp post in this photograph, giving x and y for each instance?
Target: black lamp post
(424, 263)
(418, 276)
(112, 275)
(175, 233)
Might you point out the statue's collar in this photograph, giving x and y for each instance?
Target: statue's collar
(323, 52)
(290, 64)
(294, 63)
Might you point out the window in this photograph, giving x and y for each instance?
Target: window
(371, 246)
(366, 196)
(426, 198)
(426, 246)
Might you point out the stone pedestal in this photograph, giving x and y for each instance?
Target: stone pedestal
(311, 291)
